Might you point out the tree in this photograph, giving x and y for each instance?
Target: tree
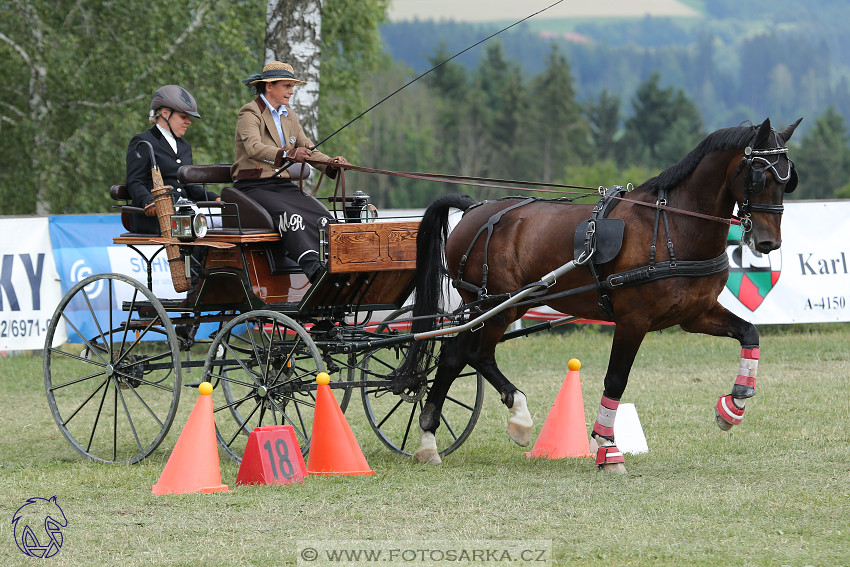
(351, 51)
(78, 78)
(665, 124)
(603, 118)
(294, 35)
(823, 158)
(556, 127)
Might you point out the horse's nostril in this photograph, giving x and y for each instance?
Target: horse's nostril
(765, 246)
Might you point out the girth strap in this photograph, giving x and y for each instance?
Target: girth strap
(669, 269)
(488, 226)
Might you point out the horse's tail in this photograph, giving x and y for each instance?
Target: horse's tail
(428, 282)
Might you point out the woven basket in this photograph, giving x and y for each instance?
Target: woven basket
(164, 210)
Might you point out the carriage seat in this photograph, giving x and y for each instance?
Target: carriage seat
(120, 193)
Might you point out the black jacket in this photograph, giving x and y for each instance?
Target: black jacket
(140, 182)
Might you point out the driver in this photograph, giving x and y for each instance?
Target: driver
(172, 110)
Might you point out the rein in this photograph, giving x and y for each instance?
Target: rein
(495, 183)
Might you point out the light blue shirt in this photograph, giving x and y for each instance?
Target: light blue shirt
(276, 112)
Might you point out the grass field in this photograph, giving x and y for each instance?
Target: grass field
(774, 491)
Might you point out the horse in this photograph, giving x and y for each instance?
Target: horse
(622, 274)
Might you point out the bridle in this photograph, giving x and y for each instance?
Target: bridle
(756, 179)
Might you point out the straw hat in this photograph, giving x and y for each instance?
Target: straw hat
(274, 71)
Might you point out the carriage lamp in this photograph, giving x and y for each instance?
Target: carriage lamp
(187, 223)
(359, 209)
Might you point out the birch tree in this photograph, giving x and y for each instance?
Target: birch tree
(294, 36)
(333, 45)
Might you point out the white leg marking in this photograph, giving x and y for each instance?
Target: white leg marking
(520, 423)
(427, 451)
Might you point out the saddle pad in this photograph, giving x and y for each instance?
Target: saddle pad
(607, 240)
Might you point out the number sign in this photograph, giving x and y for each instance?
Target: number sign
(272, 456)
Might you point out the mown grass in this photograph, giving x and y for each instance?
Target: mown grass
(774, 491)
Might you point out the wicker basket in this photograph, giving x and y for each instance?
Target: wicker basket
(164, 210)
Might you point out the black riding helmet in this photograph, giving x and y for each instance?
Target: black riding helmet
(176, 98)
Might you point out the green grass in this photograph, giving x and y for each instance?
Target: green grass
(774, 491)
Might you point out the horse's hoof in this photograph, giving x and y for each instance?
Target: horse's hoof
(727, 413)
(609, 458)
(721, 423)
(520, 434)
(428, 456)
(618, 468)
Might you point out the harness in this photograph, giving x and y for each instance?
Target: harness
(756, 179)
(598, 240)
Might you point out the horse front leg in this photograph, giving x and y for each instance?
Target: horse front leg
(720, 322)
(627, 341)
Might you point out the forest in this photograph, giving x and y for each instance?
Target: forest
(633, 97)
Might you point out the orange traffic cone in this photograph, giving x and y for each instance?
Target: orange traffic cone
(193, 465)
(333, 448)
(564, 433)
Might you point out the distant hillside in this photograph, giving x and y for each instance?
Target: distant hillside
(478, 11)
(739, 61)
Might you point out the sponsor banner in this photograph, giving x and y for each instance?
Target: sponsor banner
(82, 246)
(29, 284)
(806, 281)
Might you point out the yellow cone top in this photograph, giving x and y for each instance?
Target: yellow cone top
(205, 389)
(574, 364)
(323, 378)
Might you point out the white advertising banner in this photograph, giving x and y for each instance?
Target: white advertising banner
(807, 280)
(29, 284)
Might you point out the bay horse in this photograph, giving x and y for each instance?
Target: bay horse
(663, 263)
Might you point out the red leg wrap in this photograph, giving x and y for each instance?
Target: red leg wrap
(609, 455)
(728, 411)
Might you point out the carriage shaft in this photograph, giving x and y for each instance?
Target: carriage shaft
(545, 282)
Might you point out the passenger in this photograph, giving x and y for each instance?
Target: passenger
(268, 136)
(172, 110)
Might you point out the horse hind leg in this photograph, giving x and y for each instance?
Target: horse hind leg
(609, 458)
(449, 367)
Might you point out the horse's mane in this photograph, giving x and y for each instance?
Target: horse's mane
(720, 140)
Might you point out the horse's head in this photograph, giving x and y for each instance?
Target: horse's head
(759, 184)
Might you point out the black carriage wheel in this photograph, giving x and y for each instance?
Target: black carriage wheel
(395, 419)
(114, 386)
(263, 367)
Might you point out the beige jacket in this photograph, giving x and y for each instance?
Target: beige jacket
(259, 151)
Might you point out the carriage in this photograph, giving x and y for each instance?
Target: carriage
(263, 330)
(649, 259)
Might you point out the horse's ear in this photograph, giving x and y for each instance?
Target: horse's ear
(786, 134)
(763, 135)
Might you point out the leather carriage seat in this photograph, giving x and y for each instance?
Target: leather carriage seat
(120, 193)
(252, 218)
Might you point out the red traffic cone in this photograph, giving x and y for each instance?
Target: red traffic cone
(564, 433)
(333, 448)
(193, 465)
(272, 456)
